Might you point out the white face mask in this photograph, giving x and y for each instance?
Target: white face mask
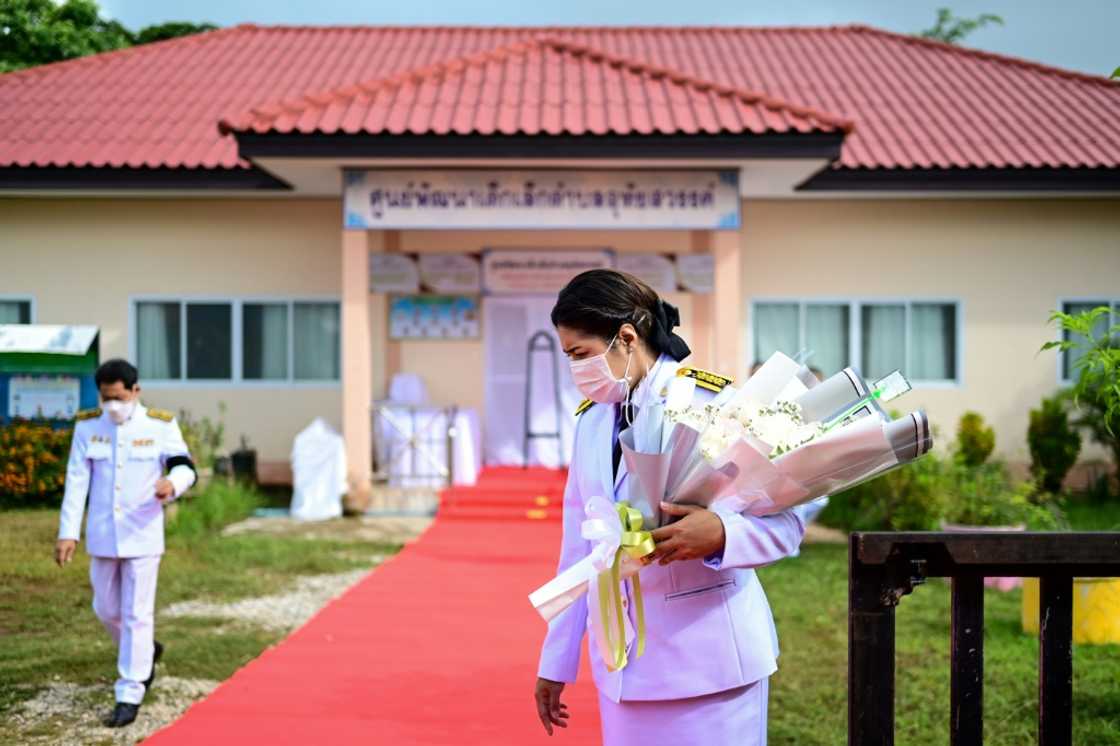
(119, 411)
(594, 379)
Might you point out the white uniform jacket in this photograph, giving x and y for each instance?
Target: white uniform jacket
(708, 623)
(118, 467)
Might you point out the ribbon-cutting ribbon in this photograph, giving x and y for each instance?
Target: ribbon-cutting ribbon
(616, 530)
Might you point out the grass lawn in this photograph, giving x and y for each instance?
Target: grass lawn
(49, 633)
(808, 702)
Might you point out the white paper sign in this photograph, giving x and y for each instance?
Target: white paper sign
(461, 199)
(535, 272)
(393, 273)
(655, 270)
(696, 273)
(450, 273)
(43, 397)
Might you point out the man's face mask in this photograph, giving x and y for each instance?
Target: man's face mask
(120, 404)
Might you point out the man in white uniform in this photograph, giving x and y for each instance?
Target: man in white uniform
(130, 461)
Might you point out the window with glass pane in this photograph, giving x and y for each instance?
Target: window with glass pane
(264, 329)
(15, 312)
(317, 342)
(883, 331)
(1100, 328)
(826, 337)
(158, 339)
(933, 342)
(209, 341)
(776, 329)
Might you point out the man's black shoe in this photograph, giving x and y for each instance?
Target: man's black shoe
(123, 714)
(155, 659)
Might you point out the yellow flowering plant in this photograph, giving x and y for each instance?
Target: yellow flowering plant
(32, 461)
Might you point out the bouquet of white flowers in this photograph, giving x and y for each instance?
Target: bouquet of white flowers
(780, 440)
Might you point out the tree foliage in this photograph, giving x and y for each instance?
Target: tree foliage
(37, 32)
(953, 29)
(1096, 391)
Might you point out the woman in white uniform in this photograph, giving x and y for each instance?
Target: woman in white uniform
(710, 640)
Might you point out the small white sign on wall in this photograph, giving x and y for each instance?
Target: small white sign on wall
(538, 272)
(393, 273)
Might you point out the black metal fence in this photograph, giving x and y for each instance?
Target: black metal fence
(884, 567)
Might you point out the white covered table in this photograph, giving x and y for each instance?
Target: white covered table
(411, 442)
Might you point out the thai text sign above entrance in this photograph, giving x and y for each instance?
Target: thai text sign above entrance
(531, 271)
(552, 200)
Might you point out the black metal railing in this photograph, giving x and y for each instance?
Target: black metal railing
(884, 567)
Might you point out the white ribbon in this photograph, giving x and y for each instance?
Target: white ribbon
(603, 529)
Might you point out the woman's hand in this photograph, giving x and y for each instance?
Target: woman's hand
(698, 534)
(549, 708)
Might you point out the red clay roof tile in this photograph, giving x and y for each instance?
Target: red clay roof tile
(540, 86)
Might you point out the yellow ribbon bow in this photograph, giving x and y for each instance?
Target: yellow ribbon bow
(637, 544)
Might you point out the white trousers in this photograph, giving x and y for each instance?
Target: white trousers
(736, 717)
(124, 599)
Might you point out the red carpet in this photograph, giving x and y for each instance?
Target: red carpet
(437, 646)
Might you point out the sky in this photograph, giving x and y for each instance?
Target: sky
(1075, 34)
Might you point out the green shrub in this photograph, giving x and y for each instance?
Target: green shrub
(1054, 444)
(937, 489)
(204, 436)
(33, 460)
(909, 498)
(986, 495)
(975, 442)
(215, 506)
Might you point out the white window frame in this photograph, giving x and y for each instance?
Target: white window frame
(855, 330)
(1113, 318)
(237, 350)
(23, 298)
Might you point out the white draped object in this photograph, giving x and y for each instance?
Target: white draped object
(408, 388)
(318, 473)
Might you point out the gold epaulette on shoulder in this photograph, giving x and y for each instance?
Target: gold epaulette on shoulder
(584, 405)
(161, 414)
(706, 379)
(87, 414)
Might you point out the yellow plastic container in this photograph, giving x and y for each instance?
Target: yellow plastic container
(1096, 609)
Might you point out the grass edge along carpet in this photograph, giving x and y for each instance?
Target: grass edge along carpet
(438, 645)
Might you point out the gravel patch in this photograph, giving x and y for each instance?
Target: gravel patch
(818, 534)
(379, 529)
(281, 612)
(66, 713)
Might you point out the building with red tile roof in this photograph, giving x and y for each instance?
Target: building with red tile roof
(218, 203)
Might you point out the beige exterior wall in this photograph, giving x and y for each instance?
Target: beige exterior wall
(82, 260)
(1007, 261)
